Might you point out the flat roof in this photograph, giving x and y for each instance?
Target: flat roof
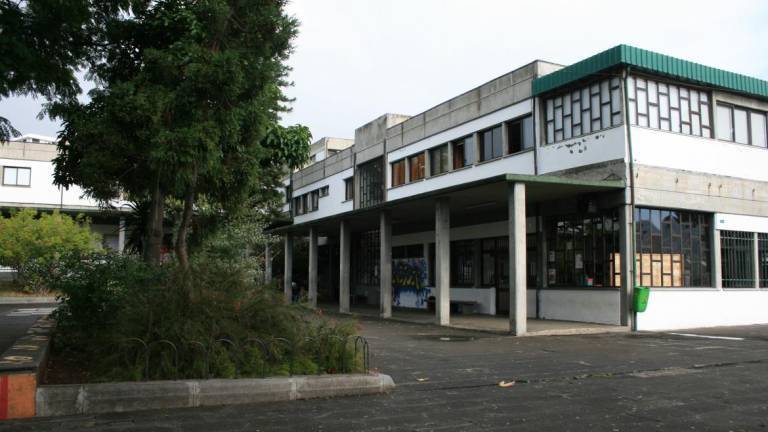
(649, 61)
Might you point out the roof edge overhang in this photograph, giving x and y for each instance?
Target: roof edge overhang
(654, 63)
(509, 178)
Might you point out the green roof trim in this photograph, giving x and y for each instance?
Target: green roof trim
(649, 61)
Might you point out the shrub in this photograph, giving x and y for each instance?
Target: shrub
(32, 244)
(213, 321)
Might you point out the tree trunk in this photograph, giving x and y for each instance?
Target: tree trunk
(182, 252)
(153, 243)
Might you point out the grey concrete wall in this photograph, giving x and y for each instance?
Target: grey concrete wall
(28, 151)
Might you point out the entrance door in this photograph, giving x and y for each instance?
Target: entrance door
(494, 265)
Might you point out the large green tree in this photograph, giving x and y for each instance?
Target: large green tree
(186, 106)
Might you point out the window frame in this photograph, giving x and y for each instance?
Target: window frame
(491, 131)
(525, 122)
(349, 188)
(467, 144)
(17, 168)
(560, 119)
(420, 170)
(737, 255)
(732, 118)
(439, 150)
(400, 166)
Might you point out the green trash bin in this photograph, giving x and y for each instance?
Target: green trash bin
(640, 300)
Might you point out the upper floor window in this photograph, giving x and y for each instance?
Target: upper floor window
(416, 164)
(324, 191)
(16, 176)
(520, 134)
(398, 172)
(463, 152)
(741, 125)
(668, 107)
(314, 201)
(583, 111)
(438, 160)
(371, 180)
(491, 146)
(349, 188)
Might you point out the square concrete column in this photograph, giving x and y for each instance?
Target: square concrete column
(443, 261)
(385, 265)
(121, 236)
(717, 265)
(312, 279)
(518, 302)
(345, 257)
(626, 245)
(267, 263)
(288, 269)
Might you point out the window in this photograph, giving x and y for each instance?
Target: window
(494, 262)
(438, 160)
(324, 191)
(741, 125)
(490, 144)
(314, 200)
(398, 173)
(669, 107)
(520, 134)
(583, 111)
(463, 152)
(365, 259)
(673, 248)
(762, 255)
(737, 255)
(16, 176)
(583, 250)
(371, 179)
(298, 206)
(349, 188)
(462, 263)
(416, 165)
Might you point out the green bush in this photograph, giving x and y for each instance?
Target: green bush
(206, 322)
(32, 244)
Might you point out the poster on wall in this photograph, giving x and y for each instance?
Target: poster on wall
(409, 283)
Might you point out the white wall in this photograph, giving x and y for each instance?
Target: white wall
(596, 306)
(679, 309)
(685, 152)
(331, 204)
(41, 191)
(732, 222)
(598, 147)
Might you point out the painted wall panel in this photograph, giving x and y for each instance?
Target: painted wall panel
(680, 309)
(732, 222)
(596, 306)
(677, 151)
(598, 147)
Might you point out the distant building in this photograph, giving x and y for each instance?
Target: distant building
(27, 168)
(551, 192)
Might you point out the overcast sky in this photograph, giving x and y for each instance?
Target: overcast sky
(357, 59)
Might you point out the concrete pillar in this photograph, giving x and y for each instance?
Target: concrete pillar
(626, 245)
(717, 266)
(312, 279)
(121, 236)
(345, 257)
(443, 261)
(267, 263)
(385, 265)
(518, 303)
(288, 271)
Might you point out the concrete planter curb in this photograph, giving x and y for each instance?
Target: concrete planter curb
(26, 300)
(59, 400)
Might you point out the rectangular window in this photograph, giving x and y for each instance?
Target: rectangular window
(490, 144)
(371, 180)
(583, 111)
(416, 165)
(583, 250)
(298, 208)
(463, 152)
(16, 176)
(349, 188)
(669, 107)
(365, 258)
(762, 255)
(737, 255)
(438, 160)
(494, 262)
(462, 263)
(324, 191)
(314, 200)
(673, 248)
(741, 125)
(398, 173)
(521, 134)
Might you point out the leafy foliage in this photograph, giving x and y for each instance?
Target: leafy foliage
(32, 243)
(111, 301)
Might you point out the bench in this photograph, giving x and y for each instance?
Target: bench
(459, 306)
